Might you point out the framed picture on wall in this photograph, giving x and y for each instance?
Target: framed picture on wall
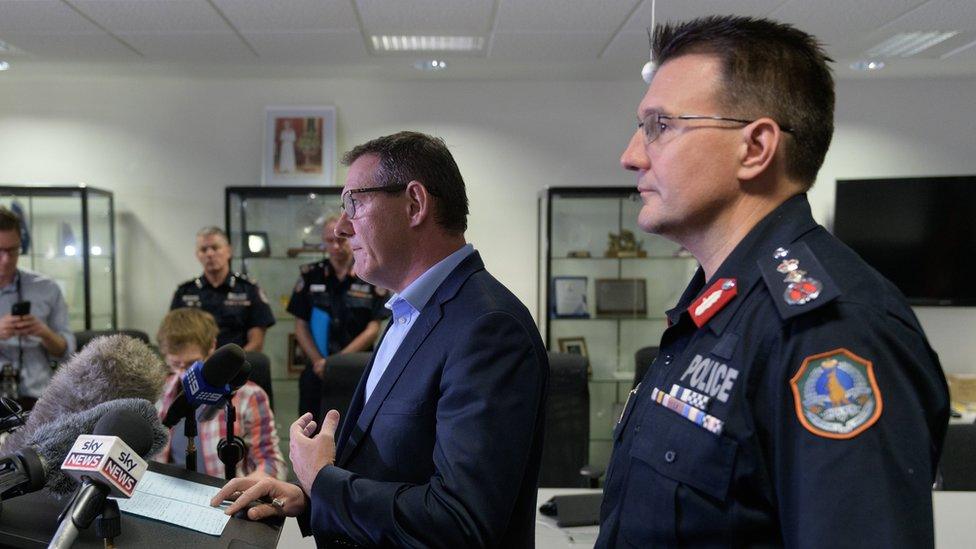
(299, 146)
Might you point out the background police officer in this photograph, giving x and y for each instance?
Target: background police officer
(237, 304)
(335, 312)
(795, 400)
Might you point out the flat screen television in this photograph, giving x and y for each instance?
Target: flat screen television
(919, 232)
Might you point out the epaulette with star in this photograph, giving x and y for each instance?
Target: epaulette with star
(797, 281)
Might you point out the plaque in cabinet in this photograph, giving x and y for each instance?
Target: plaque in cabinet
(621, 297)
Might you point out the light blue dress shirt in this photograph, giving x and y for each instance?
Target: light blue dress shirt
(406, 307)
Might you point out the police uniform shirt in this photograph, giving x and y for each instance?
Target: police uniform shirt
(795, 401)
(237, 304)
(49, 306)
(352, 303)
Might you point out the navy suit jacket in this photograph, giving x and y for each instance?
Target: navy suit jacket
(446, 451)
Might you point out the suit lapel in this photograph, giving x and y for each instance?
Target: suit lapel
(428, 318)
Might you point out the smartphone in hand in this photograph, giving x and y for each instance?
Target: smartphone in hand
(21, 308)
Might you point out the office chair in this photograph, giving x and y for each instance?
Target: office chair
(957, 467)
(642, 361)
(565, 449)
(342, 373)
(83, 337)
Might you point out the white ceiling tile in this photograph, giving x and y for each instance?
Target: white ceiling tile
(630, 47)
(842, 26)
(41, 16)
(549, 46)
(163, 16)
(294, 15)
(61, 46)
(443, 17)
(192, 48)
(560, 15)
(683, 10)
(298, 48)
(937, 15)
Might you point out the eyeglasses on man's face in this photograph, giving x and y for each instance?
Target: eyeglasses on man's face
(351, 206)
(656, 124)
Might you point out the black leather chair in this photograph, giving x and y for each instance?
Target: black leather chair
(83, 337)
(958, 463)
(566, 447)
(642, 361)
(261, 373)
(342, 373)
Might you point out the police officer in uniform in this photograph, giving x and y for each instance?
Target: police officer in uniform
(238, 304)
(335, 312)
(795, 400)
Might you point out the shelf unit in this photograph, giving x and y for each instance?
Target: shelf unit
(291, 218)
(577, 221)
(72, 241)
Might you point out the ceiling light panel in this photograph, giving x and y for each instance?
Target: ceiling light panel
(907, 44)
(414, 43)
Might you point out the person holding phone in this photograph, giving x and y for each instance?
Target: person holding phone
(34, 329)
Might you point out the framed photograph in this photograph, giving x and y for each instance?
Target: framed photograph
(299, 146)
(569, 297)
(621, 297)
(296, 356)
(572, 345)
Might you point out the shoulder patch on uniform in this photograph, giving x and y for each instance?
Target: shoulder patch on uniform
(244, 277)
(836, 394)
(300, 284)
(262, 295)
(796, 279)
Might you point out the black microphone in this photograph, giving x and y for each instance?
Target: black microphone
(106, 463)
(207, 382)
(108, 368)
(37, 463)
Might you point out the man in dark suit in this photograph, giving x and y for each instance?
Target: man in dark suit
(443, 439)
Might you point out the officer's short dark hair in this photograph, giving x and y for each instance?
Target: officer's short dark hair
(770, 69)
(212, 230)
(414, 156)
(9, 221)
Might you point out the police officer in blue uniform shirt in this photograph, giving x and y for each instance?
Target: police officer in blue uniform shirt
(795, 400)
(237, 303)
(335, 312)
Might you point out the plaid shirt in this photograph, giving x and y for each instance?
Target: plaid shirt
(255, 424)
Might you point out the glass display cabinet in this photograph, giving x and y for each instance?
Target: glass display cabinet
(604, 286)
(70, 235)
(273, 232)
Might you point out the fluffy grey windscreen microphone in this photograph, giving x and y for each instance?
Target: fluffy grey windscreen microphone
(108, 368)
(53, 440)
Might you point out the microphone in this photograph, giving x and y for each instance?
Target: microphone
(107, 463)
(108, 368)
(207, 382)
(35, 464)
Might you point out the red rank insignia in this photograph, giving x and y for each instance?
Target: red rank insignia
(712, 300)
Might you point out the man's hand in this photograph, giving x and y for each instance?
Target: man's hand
(31, 325)
(318, 367)
(310, 454)
(279, 498)
(8, 326)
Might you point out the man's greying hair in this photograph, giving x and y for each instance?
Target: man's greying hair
(413, 156)
(9, 221)
(213, 230)
(769, 69)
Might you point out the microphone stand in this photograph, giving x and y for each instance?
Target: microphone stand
(190, 430)
(231, 448)
(87, 503)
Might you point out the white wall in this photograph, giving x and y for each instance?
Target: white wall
(168, 145)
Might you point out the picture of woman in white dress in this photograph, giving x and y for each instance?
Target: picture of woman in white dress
(286, 149)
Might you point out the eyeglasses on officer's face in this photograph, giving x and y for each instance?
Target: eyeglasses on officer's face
(351, 206)
(656, 124)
